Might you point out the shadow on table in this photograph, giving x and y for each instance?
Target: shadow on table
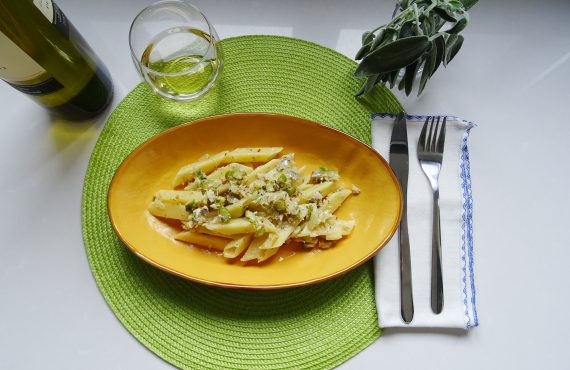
(64, 133)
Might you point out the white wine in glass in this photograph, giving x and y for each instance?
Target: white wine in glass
(175, 49)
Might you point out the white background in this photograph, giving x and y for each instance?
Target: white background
(511, 77)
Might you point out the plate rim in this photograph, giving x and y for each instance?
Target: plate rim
(345, 270)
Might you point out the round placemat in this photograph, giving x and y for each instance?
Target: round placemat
(201, 327)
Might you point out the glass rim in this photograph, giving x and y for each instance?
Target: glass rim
(173, 74)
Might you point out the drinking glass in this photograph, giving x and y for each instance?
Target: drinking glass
(175, 49)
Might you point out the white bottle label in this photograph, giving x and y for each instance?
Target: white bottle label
(15, 64)
(54, 15)
(46, 7)
(17, 68)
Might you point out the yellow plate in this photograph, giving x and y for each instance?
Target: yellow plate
(152, 166)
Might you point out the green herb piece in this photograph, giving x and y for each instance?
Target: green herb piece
(282, 181)
(205, 184)
(234, 188)
(269, 186)
(225, 215)
(310, 212)
(234, 174)
(190, 207)
(200, 175)
(280, 205)
(291, 189)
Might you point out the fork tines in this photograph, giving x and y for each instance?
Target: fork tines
(432, 137)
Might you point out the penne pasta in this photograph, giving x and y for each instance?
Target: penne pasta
(238, 209)
(236, 247)
(232, 206)
(264, 168)
(232, 168)
(232, 227)
(209, 241)
(179, 196)
(332, 229)
(203, 230)
(280, 238)
(259, 248)
(246, 155)
(168, 210)
(339, 229)
(322, 189)
(335, 200)
(206, 166)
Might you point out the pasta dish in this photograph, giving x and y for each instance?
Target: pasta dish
(249, 202)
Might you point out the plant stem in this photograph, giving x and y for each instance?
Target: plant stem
(429, 8)
(418, 29)
(400, 16)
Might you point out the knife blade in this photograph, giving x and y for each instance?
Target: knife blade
(399, 162)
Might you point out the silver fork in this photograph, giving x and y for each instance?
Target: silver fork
(430, 155)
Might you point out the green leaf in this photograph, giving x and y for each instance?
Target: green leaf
(467, 4)
(410, 76)
(449, 40)
(426, 27)
(361, 90)
(401, 84)
(393, 56)
(424, 79)
(406, 30)
(367, 37)
(452, 46)
(363, 51)
(378, 39)
(455, 4)
(384, 39)
(423, 3)
(428, 67)
(434, 24)
(368, 85)
(445, 14)
(385, 36)
(439, 43)
(459, 26)
(393, 76)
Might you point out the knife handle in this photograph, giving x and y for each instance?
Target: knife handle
(406, 298)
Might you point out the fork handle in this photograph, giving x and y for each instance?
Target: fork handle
(436, 274)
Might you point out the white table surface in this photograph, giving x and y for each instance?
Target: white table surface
(511, 77)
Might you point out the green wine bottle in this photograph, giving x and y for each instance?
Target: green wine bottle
(43, 56)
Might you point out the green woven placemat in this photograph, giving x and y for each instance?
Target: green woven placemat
(201, 327)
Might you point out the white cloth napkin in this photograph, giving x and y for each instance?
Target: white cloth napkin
(459, 309)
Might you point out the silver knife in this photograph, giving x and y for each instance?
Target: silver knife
(399, 164)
